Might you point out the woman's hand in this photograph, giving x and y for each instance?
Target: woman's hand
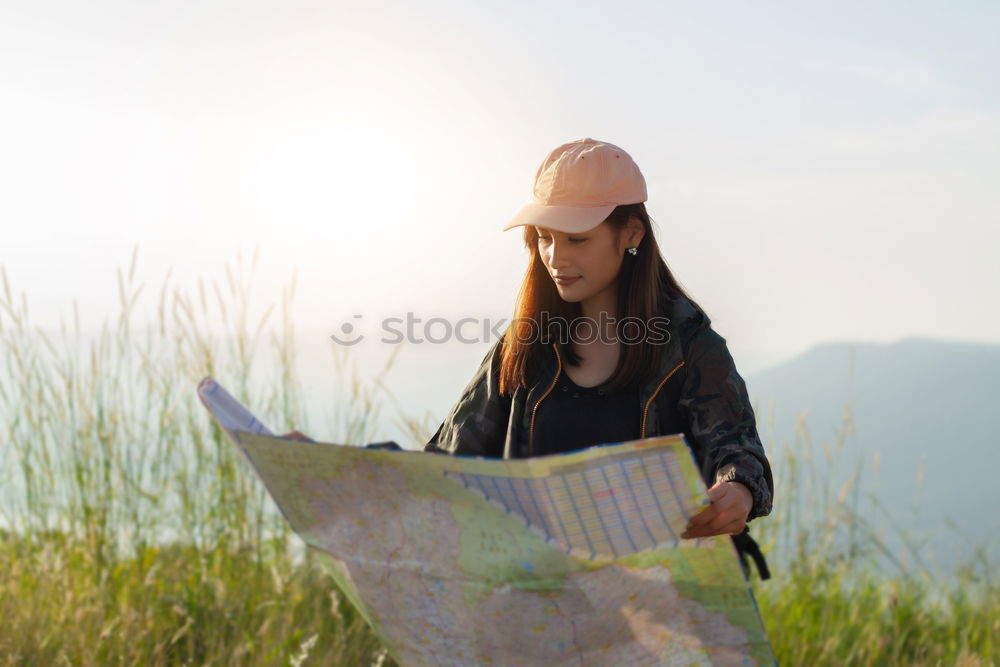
(727, 515)
(295, 435)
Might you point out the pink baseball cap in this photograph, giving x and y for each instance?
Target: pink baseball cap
(579, 184)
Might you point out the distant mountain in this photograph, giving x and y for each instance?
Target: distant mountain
(927, 408)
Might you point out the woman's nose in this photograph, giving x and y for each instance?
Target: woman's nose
(557, 254)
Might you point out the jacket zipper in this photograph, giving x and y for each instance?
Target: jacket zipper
(531, 431)
(645, 410)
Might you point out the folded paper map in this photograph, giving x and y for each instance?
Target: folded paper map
(555, 560)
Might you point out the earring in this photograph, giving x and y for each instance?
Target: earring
(632, 250)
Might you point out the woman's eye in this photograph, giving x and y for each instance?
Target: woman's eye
(577, 240)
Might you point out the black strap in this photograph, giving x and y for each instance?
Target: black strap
(747, 545)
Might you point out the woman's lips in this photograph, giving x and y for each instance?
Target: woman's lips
(560, 280)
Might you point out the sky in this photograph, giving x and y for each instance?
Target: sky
(816, 172)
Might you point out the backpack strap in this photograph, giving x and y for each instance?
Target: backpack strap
(747, 545)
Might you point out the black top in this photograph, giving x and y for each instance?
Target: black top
(572, 417)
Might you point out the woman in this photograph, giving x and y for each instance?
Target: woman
(606, 347)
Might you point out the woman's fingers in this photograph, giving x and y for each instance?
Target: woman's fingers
(733, 527)
(725, 516)
(705, 516)
(701, 523)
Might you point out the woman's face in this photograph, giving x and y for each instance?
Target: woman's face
(582, 265)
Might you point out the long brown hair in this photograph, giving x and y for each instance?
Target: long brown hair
(644, 284)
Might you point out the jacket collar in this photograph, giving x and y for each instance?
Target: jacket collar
(684, 319)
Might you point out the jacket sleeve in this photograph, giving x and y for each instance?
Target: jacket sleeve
(715, 403)
(477, 424)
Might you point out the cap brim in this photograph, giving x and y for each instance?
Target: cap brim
(568, 219)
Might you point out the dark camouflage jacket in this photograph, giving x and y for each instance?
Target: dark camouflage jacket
(697, 392)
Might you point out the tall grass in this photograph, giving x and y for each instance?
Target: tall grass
(131, 532)
(842, 594)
